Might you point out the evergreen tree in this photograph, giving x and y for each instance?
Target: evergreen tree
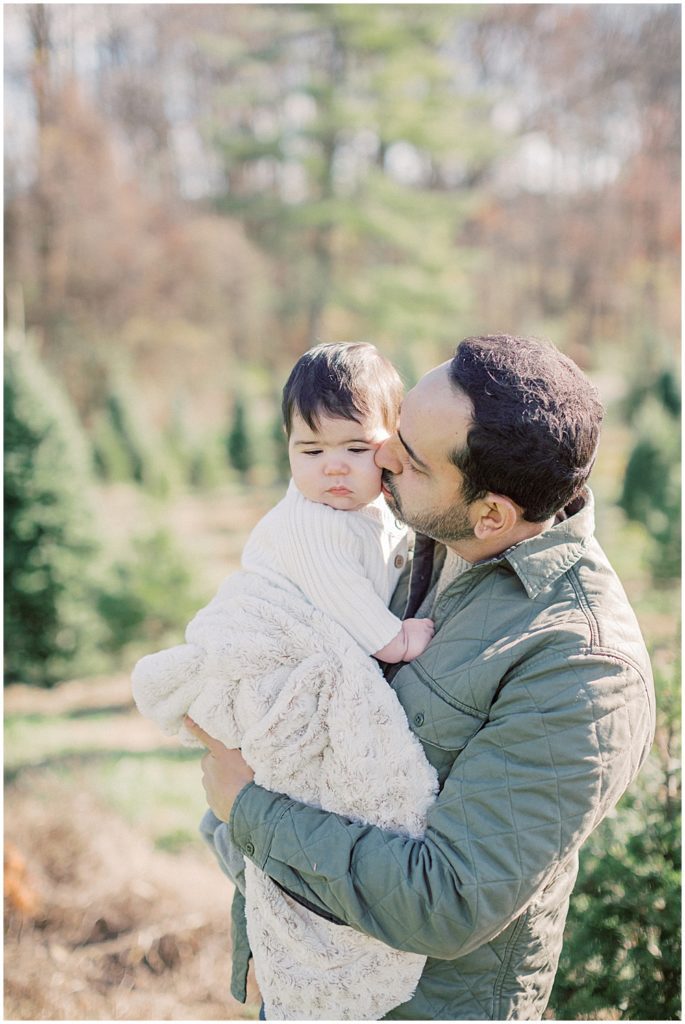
(356, 165)
(150, 596)
(622, 943)
(651, 485)
(280, 448)
(52, 629)
(126, 447)
(238, 444)
(207, 464)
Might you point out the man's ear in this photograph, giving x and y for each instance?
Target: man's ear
(497, 516)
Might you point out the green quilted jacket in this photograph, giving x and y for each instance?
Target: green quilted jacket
(535, 704)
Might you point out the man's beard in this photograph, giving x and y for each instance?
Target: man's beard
(447, 526)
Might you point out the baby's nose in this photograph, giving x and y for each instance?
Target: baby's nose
(336, 466)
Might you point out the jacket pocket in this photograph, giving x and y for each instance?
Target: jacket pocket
(438, 718)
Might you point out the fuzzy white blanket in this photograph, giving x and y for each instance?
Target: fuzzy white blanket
(264, 670)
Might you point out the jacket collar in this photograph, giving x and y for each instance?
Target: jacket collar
(540, 561)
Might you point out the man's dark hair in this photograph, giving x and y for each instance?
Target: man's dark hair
(536, 421)
(349, 381)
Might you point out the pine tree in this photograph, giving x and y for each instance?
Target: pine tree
(126, 447)
(280, 448)
(651, 484)
(52, 629)
(238, 445)
(622, 940)
(358, 106)
(150, 594)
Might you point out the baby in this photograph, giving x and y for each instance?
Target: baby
(278, 664)
(339, 403)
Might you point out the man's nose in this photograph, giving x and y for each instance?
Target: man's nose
(386, 455)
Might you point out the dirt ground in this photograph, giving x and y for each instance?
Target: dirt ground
(99, 924)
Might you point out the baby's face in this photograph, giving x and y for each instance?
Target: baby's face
(334, 463)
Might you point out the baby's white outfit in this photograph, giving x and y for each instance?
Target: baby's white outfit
(277, 664)
(346, 563)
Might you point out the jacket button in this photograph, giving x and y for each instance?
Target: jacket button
(249, 849)
(418, 719)
(399, 561)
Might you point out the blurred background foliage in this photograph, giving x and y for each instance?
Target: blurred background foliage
(195, 194)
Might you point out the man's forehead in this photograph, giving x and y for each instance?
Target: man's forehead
(434, 383)
(435, 416)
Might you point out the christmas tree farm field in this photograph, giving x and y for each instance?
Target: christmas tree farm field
(114, 909)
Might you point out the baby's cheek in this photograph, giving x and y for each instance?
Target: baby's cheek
(374, 470)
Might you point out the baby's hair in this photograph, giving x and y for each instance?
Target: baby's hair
(347, 381)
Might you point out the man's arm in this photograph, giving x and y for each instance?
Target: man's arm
(562, 743)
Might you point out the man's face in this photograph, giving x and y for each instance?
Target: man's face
(420, 483)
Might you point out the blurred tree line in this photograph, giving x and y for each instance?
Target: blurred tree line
(194, 194)
(215, 185)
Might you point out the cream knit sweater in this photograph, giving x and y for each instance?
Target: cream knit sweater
(346, 563)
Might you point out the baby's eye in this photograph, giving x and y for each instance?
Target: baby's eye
(358, 451)
(312, 451)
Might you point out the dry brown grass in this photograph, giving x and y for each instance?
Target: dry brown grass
(99, 924)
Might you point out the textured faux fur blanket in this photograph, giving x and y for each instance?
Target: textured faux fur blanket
(264, 670)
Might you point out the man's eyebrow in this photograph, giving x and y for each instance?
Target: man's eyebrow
(412, 453)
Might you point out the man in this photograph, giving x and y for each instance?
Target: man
(534, 701)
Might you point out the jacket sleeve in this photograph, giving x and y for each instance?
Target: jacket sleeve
(230, 859)
(562, 743)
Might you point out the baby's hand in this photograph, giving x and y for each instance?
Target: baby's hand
(418, 634)
(412, 640)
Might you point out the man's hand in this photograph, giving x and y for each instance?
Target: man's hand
(224, 772)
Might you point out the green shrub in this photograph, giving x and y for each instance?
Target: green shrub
(206, 465)
(52, 629)
(150, 598)
(280, 449)
(126, 447)
(651, 485)
(622, 946)
(664, 388)
(238, 445)
(112, 459)
(622, 943)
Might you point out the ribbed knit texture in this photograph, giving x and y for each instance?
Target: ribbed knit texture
(346, 563)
